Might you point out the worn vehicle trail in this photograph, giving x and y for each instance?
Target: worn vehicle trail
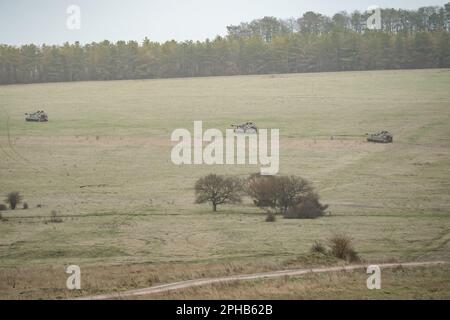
(257, 276)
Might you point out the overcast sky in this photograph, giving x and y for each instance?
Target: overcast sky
(44, 21)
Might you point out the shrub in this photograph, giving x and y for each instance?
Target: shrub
(294, 197)
(13, 199)
(3, 207)
(262, 189)
(342, 248)
(217, 190)
(54, 217)
(353, 256)
(309, 208)
(25, 206)
(291, 191)
(271, 217)
(318, 247)
(278, 193)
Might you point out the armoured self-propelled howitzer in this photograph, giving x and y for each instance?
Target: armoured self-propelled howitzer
(39, 116)
(380, 137)
(246, 128)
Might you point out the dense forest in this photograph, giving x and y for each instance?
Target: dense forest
(311, 43)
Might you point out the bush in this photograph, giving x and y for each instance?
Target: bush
(309, 208)
(25, 206)
(13, 199)
(278, 193)
(54, 217)
(318, 247)
(3, 207)
(271, 217)
(262, 189)
(294, 197)
(342, 248)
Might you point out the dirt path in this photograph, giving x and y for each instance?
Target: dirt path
(256, 276)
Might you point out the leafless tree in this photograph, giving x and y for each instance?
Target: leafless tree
(217, 190)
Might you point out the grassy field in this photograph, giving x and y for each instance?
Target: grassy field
(405, 284)
(103, 162)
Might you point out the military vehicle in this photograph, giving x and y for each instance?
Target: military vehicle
(246, 128)
(38, 116)
(380, 137)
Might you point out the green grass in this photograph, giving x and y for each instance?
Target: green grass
(139, 207)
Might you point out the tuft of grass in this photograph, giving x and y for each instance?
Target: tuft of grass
(271, 217)
(2, 219)
(3, 207)
(318, 247)
(342, 248)
(25, 206)
(54, 217)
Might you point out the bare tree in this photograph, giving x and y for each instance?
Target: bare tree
(263, 191)
(291, 191)
(294, 197)
(217, 190)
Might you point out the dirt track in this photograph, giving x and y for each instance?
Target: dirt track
(256, 276)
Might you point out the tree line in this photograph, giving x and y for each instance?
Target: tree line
(312, 43)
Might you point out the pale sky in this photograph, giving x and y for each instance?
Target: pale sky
(44, 21)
